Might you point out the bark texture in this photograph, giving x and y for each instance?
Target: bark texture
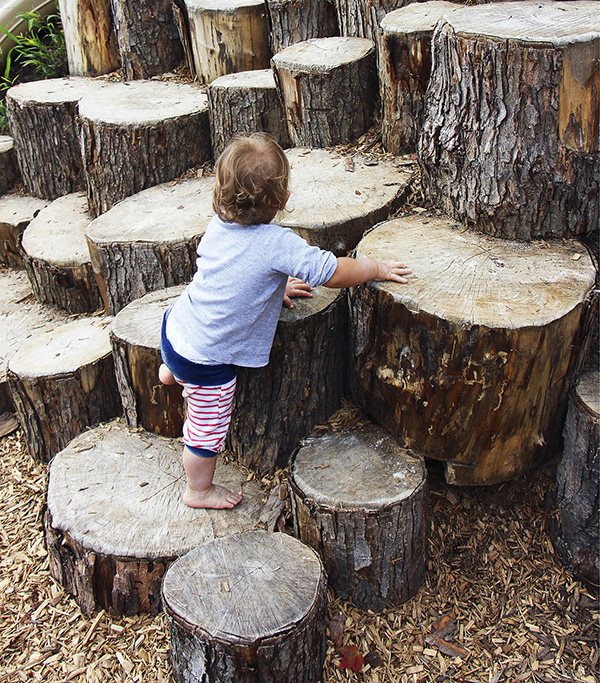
(248, 626)
(363, 17)
(358, 499)
(9, 171)
(16, 212)
(292, 21)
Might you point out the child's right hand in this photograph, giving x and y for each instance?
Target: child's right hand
(392, 270)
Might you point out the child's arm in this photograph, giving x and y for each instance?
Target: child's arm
(351, 272)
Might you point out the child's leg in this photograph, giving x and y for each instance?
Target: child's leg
(165, 375)
(200, 491)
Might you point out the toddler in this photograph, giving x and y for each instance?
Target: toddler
(227, 315)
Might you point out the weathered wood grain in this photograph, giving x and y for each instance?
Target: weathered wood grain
(9, 170)
(16, 212)
(292, 21)
(363, 17)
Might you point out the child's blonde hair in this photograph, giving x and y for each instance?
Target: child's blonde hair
(252, 180)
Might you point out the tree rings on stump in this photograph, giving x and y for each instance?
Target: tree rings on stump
(9, 171)
(328, 87)
(16, 212)
(142, 134)
(135, 339)
(63, 381)
(252, 605)
(115, 518)
(471, 360)
(276, 406)
(149, 241)
(358, 499)
(293, 21)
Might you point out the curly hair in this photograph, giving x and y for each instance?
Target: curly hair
(252, 176)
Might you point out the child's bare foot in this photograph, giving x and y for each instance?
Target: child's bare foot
(165, 375)
(215, 497)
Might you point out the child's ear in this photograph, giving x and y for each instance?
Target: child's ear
(286, 199)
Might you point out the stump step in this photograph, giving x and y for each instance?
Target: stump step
(16, 212)
(9, 170)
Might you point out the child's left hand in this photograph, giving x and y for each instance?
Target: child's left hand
(294, 288)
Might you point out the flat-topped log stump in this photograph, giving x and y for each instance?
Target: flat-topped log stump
(141, 134)
(149, 241)
(334, 199)
(328, 87)
(363, 17)
(42, 119)
(115, 519)
(276, 406)
(16, 212)
(293, 21)
(228, 36)
(359, 500)
(509, 143)
(57, 259)
(257, 616)
(574, 500)
(9, 170)
(244, 103)
(471, 361)
(135, 339)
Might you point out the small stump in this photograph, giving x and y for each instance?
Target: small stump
(63, 381)
(471, 360)
(16, 212)
(228, 36)
(276, 406)
(149, 241)
(576, 514)
(57, 259)
(359, 500)
(328, 87)
(141, 134)
(9, 171)
(244, 103)
(135, 339)
(293, 21)
(251, 607)
(115, 519)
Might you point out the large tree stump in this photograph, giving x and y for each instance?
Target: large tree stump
(359, 500)
(89, 37)
(9, 170)
(363, 17)
(470, 362)
(135, 339)
(293, 21)
(63, 381)
(228, 36)
(16, 212)
(57, 259)
(509, 143)
(575, 498)
(276, 406)
(328, 86)
(115, 519)
(42, 118)
(257, 616)
(244, 103)
(145, 133)
(335, 199)
(149, 241)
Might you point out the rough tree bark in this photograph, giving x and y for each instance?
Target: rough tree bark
(258, 616)
(359, 499)
(16, 212)
(9, 171)
(292, 21)
(363, 17)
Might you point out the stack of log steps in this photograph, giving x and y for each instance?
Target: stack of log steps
(251, 607)
(328, 87)
(63, 381)
(470, 362)
(16, 212)
(57, 259)
(9, 170)
(115, 519)
(293, 21)
(149, 240)
(359, 500)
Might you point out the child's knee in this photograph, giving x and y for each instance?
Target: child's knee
(165, 375)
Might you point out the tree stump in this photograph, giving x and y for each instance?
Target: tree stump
(115, 519)
(228, 36)
(574, 500)
(89, 37)
(9, 170)
(335, 199)
(149, 241)
(363, 17)
(258, 615)
(276, 406)
(63, 381)
(16, 212)
(509, 143)
(42, 118)
(404, 54)
(135, 339)
(57, 259)
(144, 134)
(359, 500)
(470, 362)
(328, 87)
(293, 21)
(244, 103)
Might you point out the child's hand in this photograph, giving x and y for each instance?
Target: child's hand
(295, 287)
(392, 270)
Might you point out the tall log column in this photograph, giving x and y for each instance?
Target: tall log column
(362, 17)
(293, 21)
